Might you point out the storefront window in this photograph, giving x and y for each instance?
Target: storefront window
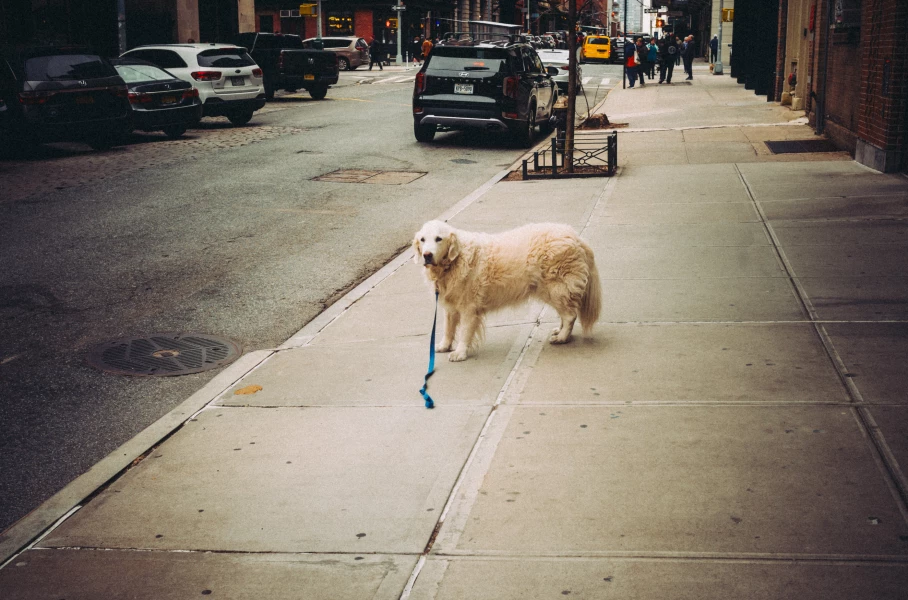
(340, 22)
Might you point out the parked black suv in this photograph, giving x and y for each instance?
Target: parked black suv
(62, 94)
(496, 86)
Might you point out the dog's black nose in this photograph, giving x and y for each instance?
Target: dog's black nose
(427, 258)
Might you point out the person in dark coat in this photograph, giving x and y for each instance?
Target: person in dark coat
(687, 55)
(375, 54)
(713, 49)
(669, 51)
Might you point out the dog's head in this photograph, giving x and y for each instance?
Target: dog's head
(436, 245)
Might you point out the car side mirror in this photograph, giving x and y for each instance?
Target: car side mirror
(552, 71)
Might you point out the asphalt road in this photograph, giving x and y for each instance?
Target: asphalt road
(224, 233)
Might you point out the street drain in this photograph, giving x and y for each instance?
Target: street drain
(373, 177)
(801, 146)
(163, 354)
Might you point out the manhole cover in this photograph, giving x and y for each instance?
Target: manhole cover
(801, 146)
(373, 177)
(163, 354)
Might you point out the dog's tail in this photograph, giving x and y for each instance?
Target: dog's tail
(591, 303)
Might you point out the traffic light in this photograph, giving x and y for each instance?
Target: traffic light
(660, 23)
(307, 10)
(391, 23)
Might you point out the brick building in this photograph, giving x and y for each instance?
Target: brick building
(842, 61)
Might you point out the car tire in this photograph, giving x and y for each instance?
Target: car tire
(241, 118)
(175, 131)
(527, 131)
(318, 92)
(424, 133)
(343, 64)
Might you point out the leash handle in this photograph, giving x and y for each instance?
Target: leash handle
(429, 402)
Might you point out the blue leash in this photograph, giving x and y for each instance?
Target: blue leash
(429, 402)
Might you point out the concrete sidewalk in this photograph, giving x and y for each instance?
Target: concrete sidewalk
(736, 427)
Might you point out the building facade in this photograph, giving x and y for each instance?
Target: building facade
(844, 62)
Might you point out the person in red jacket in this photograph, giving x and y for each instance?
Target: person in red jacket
(630, 62)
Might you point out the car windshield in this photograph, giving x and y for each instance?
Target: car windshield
(137, 73)
(66, 67)
(467, 59)
(225, 57)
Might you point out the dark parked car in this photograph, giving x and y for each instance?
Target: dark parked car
(62, 94)
(288, 66)
(159, 100)
(485, 85)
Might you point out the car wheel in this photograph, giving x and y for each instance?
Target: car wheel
(318, 93)
(527, 131)
(343, 64)
(175, 131)
(241, 118)
(424, 133)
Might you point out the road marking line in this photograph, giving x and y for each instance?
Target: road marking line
(585, 80)
(606, 81)
(395, 79)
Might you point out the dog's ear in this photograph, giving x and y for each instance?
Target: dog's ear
(417, 256)
(453, 247)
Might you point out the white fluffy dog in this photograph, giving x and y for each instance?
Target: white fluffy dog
(476, 273)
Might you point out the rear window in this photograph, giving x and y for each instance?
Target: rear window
(66, 67)
(452, 58)
(599, 41)
(225, 57)
(137, 73)
(335, 43)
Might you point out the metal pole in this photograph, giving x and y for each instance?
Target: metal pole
(121, 25)
(624, 50)
(572, 87)
(399, 60)
(717, 68)
(318, 22)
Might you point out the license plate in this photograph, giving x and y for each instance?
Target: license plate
(168, 99)
(238, 81)
(85, 99)
(309, 77)
(463, 88)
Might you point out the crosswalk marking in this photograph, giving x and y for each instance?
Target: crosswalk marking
(606, 81)
(586, 80)
(395, 79)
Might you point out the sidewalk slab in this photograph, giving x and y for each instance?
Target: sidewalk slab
(675, 213)
(382, 373)
(742, 481)
(769, 363)
(99, 574)
(666, 235)
(695, 262)
(716, 300)
(874, 355)
(788, 181)
(857, 298)
(314, 480)
(605, 579)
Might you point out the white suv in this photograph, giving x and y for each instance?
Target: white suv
(230, 84)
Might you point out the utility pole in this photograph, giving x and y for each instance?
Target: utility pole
(398, 10)
(717, 68)
(624, 49)
(572, 87)
(318, 22)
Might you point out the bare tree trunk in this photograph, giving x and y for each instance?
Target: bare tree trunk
(572, 87)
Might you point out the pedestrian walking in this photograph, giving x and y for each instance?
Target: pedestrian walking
(426, 48)
(688, 56)
(416, 50)
(652, 56)
(678, 55)
(669, 52)
(630, 63)
(714, 49)
(375, 54)
(642, 52)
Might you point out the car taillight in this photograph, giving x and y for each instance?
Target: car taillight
(120, 91)
(258, 72)
(420, 83)
(34, 98)
(565, 68)
(206, 75)
(139, 98)
(509, 87)
(190, 93)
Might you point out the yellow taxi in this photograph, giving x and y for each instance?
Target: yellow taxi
(596, 47)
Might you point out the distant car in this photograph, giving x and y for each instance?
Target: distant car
(230, 84)
(597, 47)
(351, 51)
(54, 94)
(559, 60)
(483, 85)
(158, 99)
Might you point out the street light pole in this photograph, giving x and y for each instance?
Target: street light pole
(318, 22)
(398, 10)
(717, 68)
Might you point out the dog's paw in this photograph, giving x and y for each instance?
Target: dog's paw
(457, 356)
(442, 348)
(557, 338)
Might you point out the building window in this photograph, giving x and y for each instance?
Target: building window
(340, 22)
(266, 23)
(846, 14)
